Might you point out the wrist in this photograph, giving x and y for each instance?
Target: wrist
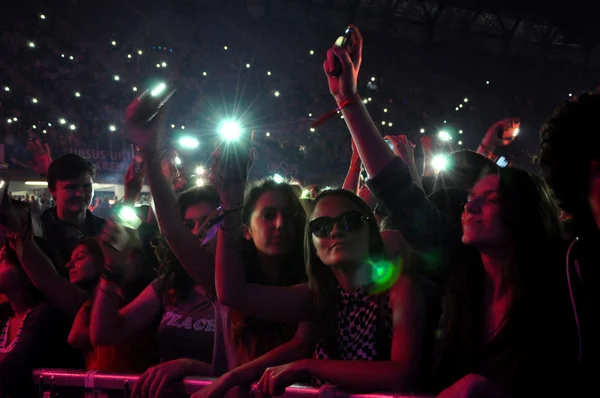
(304, 367)
(347, 101)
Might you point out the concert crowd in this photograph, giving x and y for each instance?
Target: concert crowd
(465, 277)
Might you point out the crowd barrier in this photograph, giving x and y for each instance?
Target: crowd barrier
(61, 383)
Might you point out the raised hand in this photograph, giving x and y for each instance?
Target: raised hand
(145, 119)
(403, 148)
(134, 180)
(345, 86)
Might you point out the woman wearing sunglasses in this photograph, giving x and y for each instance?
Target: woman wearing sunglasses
(369, 329)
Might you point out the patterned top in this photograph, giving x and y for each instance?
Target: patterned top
(364, 327)
(4, 348)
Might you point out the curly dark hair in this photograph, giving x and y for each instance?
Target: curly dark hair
(569, 143)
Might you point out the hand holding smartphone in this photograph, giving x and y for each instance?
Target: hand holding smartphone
(345, 42)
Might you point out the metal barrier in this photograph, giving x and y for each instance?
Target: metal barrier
(89, 383)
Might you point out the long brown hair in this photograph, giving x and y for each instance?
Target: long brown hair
(531, 217)
(253, 337)
(321, 280)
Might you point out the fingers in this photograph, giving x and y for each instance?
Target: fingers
(329, 63)
(136, 391)
(263, 383)
(357, 45)
(160, 380)
(344, 57)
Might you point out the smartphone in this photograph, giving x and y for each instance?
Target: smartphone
(389, 144)
(345, 42)
(502, 162)
(145, 107)
(128, 218)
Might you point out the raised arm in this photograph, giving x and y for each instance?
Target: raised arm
(79, 337)
(63, 294)
(195, 259)
(353, 176)
(109, 324)
(421, 224)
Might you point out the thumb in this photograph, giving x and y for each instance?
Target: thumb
(344, 57)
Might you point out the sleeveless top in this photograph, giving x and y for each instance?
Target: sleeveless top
(364, 327)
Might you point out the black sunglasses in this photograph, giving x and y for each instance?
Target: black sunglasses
(349, 221)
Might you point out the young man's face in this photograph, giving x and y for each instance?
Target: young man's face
(74, 195)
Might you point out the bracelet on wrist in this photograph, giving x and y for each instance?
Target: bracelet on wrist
(341, 105)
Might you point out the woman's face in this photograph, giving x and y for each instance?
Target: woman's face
(273, 225)
(195, 216)
(82, 267)
(340, 233)
(482, 217)
(11, 276)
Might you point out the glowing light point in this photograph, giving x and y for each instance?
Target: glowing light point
(34, 100)
(77, 94)
(134, 88)
(200, 182)
(230, 130)
(422, 131)
(459, 142)
(177, 160)
(372, 79)
(460, 131)
(42, 16)
(31, 44)
(268, 134)
(278, 179)
(466, 100)
(112, 128)
(269, 73)
(390, 124)
(225, 48)
(140, 52)
(444, 136)
(312, 130)
(117, 78)
(72, 127)
(163, 64)
(385, 110)
(188, 142)
(114, 43)
(277, 93)
(204, 73)
(62, 121)
(311, 52)
(199, 170)
(129, 56)
(6, 88)
(439, 162)
(158, 89)
(248, 66)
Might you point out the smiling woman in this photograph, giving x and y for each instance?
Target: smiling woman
(503, 291)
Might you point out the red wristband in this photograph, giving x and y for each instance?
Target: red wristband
(345, 103)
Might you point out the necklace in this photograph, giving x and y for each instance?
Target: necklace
(4, 334)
